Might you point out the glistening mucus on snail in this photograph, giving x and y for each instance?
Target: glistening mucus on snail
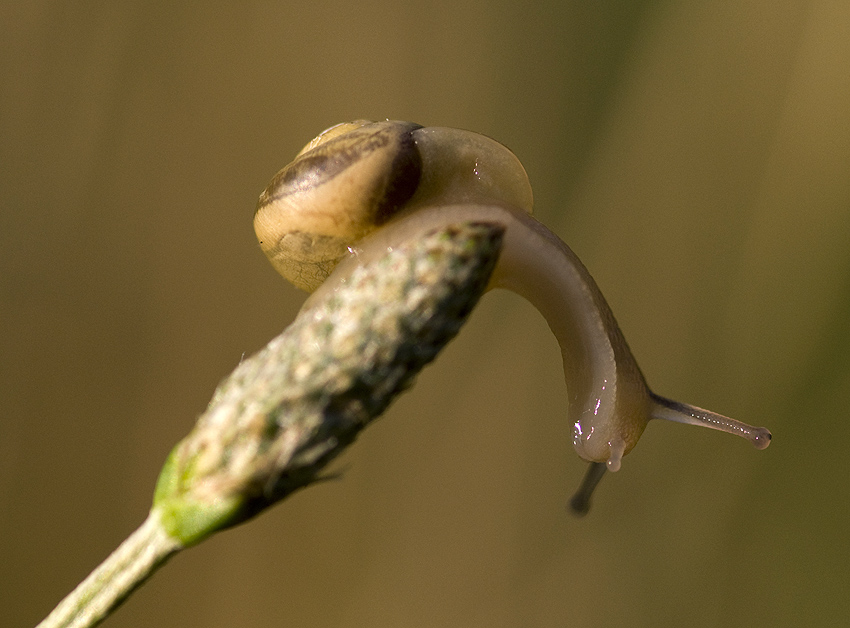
(362, 187)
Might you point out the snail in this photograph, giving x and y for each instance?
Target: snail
(362, 187)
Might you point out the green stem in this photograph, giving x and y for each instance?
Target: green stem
(287, 411)
(142, 553)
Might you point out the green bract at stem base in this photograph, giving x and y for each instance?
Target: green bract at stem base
(286, 412)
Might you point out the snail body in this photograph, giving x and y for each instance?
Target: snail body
(360, 188)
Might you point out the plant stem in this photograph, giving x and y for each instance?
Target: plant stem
(142, 553)
(287, 411)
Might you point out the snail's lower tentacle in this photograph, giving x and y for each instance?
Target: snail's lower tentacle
(580, 501)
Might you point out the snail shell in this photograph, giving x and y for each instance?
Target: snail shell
(354, 177)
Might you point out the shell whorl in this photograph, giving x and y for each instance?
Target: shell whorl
(344, 184)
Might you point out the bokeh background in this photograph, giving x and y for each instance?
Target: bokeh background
(694, 154)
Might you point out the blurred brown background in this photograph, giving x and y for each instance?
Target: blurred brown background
(695, 155)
